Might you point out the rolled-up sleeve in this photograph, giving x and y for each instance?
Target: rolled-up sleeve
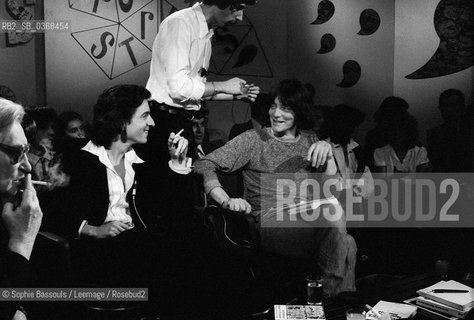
(175, 42)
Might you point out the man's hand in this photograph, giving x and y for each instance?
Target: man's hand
(178, 148)
(23, 222)
(237, 204)
(231, 86)
(319, 153)
(110, 229)
(249, 93)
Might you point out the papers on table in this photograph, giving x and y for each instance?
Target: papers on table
(396, 310)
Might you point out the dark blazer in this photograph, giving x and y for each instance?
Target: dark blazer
(15, 272)
(160, 195)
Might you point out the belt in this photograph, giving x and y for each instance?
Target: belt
(188, 114)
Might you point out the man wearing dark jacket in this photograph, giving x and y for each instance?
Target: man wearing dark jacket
(21, 214)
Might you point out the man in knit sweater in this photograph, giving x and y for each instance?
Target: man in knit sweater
(284, 149)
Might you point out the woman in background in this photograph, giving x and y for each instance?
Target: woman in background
(44, 159)
(401, 153)
(69, 125)
(375, 138)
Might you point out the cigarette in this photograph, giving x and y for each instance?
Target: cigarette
(179, 132)
(377, 314)
(40, 183)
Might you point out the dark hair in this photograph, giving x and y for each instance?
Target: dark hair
(114, 110)
(222, 4)
(340, 123)
(30, 129)
(311, 89)
(293, 94)
(259, 108)
(60, 126)
(44, 117)
(36, 119)
(449, 93)
(389, 107)
(445, 106)
(401, 121)
(202, 113)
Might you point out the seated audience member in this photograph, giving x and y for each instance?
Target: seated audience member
(450, 150)
(100, 184)
(46, 167)
(317, 114)
(69, 125)
(70, 137)
(202, 146)
(449, 143)
(339, 127)
(401, 153)
(258, 116)
(201, 138)
(398, 159)
(283, 148)
(20, 212)
(375, 138)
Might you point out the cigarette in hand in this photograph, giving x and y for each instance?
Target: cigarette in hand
(178, 135)
(179, 132)
(40, 183)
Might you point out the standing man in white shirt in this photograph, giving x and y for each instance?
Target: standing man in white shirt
(180, 62)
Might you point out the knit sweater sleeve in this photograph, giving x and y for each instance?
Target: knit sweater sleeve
(234, 155)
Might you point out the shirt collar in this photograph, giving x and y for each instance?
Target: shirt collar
(199, 148)
(101, 153)
(203, 28)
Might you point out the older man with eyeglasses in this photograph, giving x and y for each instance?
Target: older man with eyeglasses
(21, 213)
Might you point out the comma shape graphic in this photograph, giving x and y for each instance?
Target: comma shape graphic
(237, 50)
(246, 56)
(351, 74)
(328, 43)
(325, 12)
(369, 22)
(454, 24)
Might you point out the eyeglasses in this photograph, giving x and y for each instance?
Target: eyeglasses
(15, 153)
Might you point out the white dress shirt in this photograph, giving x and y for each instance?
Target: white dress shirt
(180, 50)
(118, 188)
(386, 156)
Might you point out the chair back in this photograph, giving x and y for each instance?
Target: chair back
(51, 258)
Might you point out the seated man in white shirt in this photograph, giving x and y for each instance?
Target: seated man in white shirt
(101, 203)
